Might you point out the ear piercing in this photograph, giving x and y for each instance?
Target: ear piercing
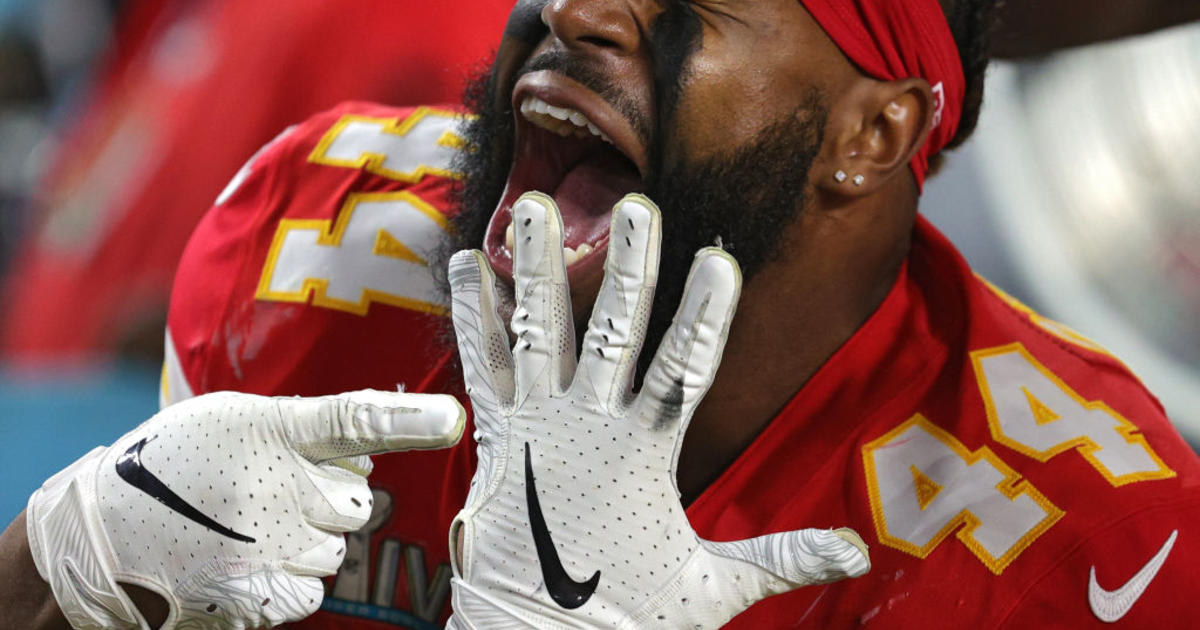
(840, 176)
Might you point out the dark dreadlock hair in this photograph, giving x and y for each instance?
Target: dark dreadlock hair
(971, 23)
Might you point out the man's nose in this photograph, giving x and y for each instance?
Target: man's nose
(616, 26)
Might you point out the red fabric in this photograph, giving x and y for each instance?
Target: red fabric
(807, 468)
(899, 39)
(227, 340)
(194, 90)
(912, 356)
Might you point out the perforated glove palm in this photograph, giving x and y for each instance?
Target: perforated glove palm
(230, 506)
(574, 519)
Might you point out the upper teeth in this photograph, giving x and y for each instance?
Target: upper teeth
(561, 120)
(570, 254)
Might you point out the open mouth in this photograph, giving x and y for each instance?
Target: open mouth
(572, 145)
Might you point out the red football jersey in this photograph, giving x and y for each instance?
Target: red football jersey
(194, 87)
(1006, 472)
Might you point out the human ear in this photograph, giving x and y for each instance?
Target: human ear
(873, 133)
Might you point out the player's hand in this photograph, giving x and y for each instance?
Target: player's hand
(230, 506)
(574, 519)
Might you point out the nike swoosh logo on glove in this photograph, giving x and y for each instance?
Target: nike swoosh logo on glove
(129, 468)
(563, 590)
(1110, 606)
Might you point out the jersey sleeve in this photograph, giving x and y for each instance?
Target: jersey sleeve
(311, 275)
(1138, 573)
(311, 272)
(1125, 479)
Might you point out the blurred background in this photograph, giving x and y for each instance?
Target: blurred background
(121, 120)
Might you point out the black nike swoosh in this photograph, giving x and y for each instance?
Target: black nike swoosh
(129, 468)
(563, 590)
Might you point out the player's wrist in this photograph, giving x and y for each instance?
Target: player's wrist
(43, 500)
(71, 552)
(153, 607)
(25, 600)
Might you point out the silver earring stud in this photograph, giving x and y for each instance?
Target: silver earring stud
(840, 176)
(858, 180)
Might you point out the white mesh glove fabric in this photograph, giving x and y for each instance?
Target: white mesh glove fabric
(230, 506)
(574, 518)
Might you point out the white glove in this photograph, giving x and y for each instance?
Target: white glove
(228, 505)
(574, 518)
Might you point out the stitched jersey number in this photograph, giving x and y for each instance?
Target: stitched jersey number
(359, 259)
(923, 483)
(374, 250)
(1032, 411)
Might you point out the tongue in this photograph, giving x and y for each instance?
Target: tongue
(587, 194)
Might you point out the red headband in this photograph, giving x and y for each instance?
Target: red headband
(898, 39)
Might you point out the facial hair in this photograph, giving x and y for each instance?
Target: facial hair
(743, 198)
(489, 136)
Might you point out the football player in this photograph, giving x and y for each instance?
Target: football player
(1006, 471)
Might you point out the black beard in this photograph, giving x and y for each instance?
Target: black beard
(483, 164)
(743, 199)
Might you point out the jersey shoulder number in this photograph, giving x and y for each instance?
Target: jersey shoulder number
(363, 223)
(924, 484)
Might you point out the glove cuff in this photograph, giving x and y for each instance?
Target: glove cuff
(72, 553)
(474, 608)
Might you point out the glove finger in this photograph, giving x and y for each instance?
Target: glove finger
(545, 348)
(481, 335)
(690, 351)
(258, 596)
(618, 324)
(360, 465)
(369, 421)
(321, 560)
(777, 563)
(296, 599)
(337, 501)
